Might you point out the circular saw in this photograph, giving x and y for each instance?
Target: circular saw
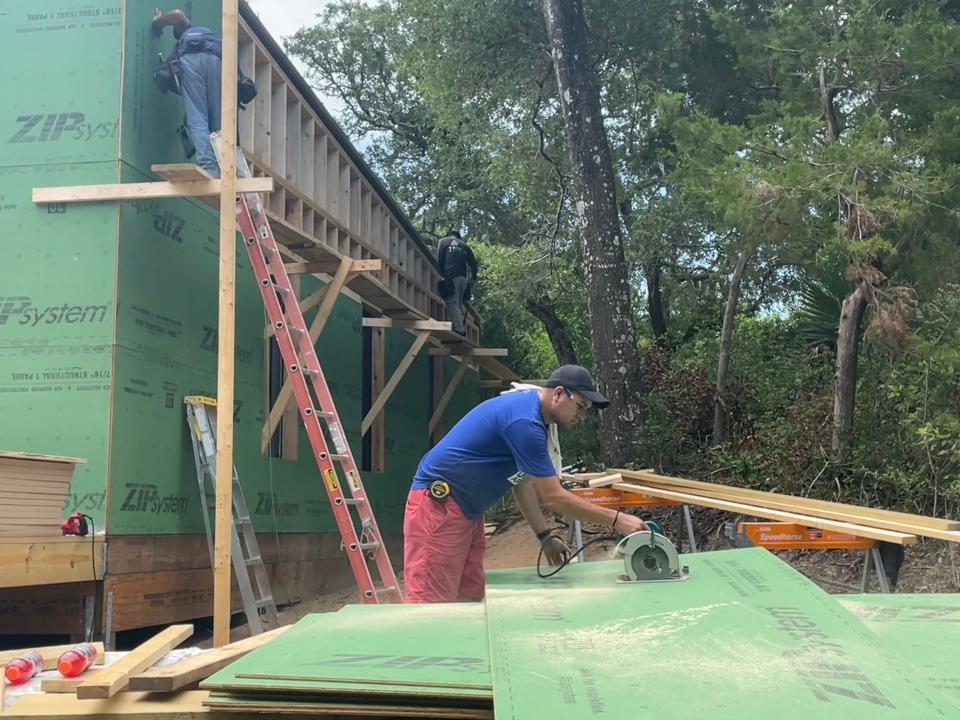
(648, 555)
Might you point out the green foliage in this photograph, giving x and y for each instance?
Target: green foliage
(715, 116)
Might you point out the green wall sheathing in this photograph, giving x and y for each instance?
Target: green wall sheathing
(56, 326)
(922, 630)
(746, 636)
(436, 650)
(60, 82)
(109, 312)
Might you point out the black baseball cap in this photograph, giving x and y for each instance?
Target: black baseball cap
(577, 379)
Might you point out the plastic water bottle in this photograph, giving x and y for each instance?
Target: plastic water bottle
(23, 667)
(77, 659)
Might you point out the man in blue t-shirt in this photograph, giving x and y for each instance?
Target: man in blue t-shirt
(471, 468)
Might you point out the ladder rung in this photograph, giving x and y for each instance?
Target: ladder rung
(354, 501)
(281, 290)
(310, 372)
(253, 560)
(296, 331)
(369, 545)
(340, 457)
(264, 602)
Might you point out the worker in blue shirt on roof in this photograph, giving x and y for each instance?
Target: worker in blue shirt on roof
(475, 465)
(199, 52)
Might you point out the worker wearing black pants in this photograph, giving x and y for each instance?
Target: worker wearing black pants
(454, 257)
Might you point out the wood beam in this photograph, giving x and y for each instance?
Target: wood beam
(316, 327)
(378, 380)
(467, 351)
(380, 402)
(447, 396)
(114, 678)
(329, 267)
(199, 667)
(386, 322)
(877, 517)
(764, 512)
(227, 328)
(143, 191)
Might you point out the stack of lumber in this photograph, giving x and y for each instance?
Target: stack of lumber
(368, 660)
(883, 525)
(32, 489)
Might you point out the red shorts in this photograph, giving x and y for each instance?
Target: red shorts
(442, 551)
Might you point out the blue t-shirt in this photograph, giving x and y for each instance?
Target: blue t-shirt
(490, 444)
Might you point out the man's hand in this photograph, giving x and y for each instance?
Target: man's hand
(628, 524)
(157, 25)
(555, 549)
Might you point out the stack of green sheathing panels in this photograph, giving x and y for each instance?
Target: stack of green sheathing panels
(744, 637)
(404, 660)
(921, 630)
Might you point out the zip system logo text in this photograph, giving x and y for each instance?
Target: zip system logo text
(20, 310)
(51, 127)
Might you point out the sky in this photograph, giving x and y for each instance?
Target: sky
(283, 18)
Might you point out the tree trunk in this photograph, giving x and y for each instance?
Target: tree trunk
(845, 380)
(556, 329)
(613, 331)
(726, 342)
(658, 319)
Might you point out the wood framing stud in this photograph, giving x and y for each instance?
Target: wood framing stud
(467, 351)
(316, 328)
(380, 402)
(114, 678)
(447, 396)
(386, 322)
(143, 191)
(331, 266)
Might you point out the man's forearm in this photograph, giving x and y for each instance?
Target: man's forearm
(529, 503)
(576, 508)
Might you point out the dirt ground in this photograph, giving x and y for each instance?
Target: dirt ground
(931, 566)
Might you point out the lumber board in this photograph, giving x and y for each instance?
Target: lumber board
(49, 653)
(115, 677)
(8, 454)
(445, 399)
(867, 516)
(948, 535)
(58, 684)
(181, 171)
(380, 402)
(605, 480)
(143, 191)
(331, 266)
(387, 322)
(199, 667)
(469, 351)
(48, 561)
(759, 511)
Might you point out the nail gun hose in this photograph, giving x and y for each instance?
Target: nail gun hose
(569, 558)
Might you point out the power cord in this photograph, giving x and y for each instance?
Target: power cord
(567, 559)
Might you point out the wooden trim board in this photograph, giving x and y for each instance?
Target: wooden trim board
(759, 511)
(115, 677)
(867, 515)
(199, 667)
(146, 190)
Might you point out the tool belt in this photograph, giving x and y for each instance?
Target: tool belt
(439, 489)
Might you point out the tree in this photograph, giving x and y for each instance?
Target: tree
(608, 292)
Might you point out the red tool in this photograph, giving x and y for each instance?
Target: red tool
(76, 524)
